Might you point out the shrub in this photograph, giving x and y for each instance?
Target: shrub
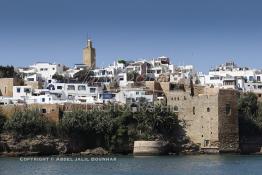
(2, 122)
(250, 115)
(27, 123)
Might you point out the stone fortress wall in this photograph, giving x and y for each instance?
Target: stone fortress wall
(211, 118)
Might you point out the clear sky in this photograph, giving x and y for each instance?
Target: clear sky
(199, 32)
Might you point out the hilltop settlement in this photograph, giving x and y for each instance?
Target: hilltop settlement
(49, 108)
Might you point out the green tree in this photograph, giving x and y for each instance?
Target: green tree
(250, 118)
(2, 121)
(87, 125)
(27, 123)
(84, 75)
(59, 78)
(132, 76)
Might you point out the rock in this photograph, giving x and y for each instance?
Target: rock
(3, 147)
(97, 151)
(43, 147)
(190, 148)
(38, 145)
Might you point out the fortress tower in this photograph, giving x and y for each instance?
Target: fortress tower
(89, 55)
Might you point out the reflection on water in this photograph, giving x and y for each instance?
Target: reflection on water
(127, 165)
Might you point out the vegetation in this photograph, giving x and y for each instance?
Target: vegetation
(86, 126)
(122, 61)
(27, 123)
(132, 76)
(83, 75)
(114, 128)
(8, 72)
(250, 116)
(2, 122)
(59, 78)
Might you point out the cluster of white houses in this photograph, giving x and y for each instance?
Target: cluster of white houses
(226, 76)
(42, 88)
(207, 110)
(230, 76)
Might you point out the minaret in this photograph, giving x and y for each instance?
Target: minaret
(89, 55)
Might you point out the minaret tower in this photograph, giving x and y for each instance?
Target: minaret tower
(89, 55)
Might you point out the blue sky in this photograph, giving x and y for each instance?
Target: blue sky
(199, 32)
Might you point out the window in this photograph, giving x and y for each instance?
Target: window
(258, 78)
(259, 95)
(137, 93)
(81, 88)
(206, 143)
(18, 90)
(208, 109)
(70, 87)
(30, 79)
(70, 97)
(27, 90)
(43, 100)
(59, 87)
(228, 109)
(194, 110)
(92, 90)
(43, 111)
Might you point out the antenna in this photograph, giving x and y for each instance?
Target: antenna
(87, 36)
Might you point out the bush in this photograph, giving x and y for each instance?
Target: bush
(2, 122)
(250, 116)
(87, 125)
(59, 78)
(27, 123)
(117, 129)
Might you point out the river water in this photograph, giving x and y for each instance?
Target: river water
(127, 165)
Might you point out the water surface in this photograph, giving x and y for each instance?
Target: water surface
(129, 165)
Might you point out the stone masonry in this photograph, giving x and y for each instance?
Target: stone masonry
(211, 119)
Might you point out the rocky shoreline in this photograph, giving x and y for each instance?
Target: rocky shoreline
(40, 145)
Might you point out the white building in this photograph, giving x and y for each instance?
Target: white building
(41, 71)
(26, 94)
(80, 93)
(47, 70)
(134, 95)
(220, 76)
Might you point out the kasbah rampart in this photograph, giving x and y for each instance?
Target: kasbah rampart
(207, 104)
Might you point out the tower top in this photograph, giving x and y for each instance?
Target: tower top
(89, 43)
